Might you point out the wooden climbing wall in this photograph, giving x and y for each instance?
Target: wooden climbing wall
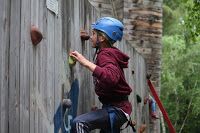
(30, 81)
(79, 15)
(136, 77)
(33, 78)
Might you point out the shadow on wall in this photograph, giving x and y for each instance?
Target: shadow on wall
(67, 110)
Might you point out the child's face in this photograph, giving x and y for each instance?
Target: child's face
(93, 38)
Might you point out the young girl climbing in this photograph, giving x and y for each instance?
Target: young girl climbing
(109, 80)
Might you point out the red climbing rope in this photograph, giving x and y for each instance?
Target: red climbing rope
(155, 95)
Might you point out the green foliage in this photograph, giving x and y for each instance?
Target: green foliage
(171, 84)
(174, 4)
(174, 15)
(171, 21)
(192, 22)
(180, 82)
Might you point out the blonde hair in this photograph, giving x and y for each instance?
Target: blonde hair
(108, 39)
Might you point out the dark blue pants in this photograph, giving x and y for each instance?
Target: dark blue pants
(99, 119)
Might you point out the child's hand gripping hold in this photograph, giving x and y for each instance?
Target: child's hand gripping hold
(82, 60)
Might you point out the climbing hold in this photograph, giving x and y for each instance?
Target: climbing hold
(94, 108)
(36, 35)
(139, 99)
(84, 35)
(142, 128)
(154, 115)
(67, 103)
(148, 76)
(146, 99)
(72, 61)
(132, 123)
(132, 72)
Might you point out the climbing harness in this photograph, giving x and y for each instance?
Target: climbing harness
(112, 117)
(132, 124)
(113, 127)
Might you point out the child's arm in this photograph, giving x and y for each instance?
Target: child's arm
(83, 61)
(107, 71)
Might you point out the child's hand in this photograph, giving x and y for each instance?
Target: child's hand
(83, 61)
(79, 57)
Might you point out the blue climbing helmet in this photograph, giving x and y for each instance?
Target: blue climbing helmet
(112, 27)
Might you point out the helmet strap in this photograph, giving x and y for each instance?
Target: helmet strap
(97, 47)
(98, 42)
(94, 57)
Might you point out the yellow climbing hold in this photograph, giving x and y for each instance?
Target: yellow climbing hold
(72, 61)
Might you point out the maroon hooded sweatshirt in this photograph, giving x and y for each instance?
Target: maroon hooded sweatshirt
(109, 79)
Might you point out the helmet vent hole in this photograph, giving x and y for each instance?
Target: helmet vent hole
(114, 33)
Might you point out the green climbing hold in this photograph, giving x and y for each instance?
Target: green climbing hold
(72, 61)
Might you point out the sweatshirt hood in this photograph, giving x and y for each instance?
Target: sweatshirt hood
(121, 58)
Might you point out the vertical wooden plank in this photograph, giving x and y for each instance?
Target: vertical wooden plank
(50, 65)
(84, 49)
(14, 73)
(58, 59)
(41, 120)
(32, 93)
(129, 77)
(88, 16)
(131, 83)
(41, 67)
(93, 18)
(24, 67)
(68, 20)
(83, 80)
(138, 106)
(42, 77)
(1, 60)
(33, 69)
(4, 64)
(83, 72)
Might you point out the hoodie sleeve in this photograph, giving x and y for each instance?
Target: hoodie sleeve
(106, 70)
